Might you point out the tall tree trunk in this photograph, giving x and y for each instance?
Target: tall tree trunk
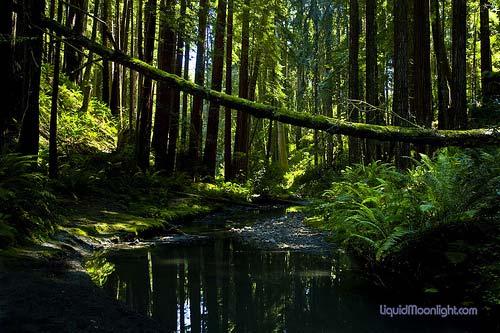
(372, 117)
(52, 13)
(486, 65)
(185, 100)
(199, 78)
(173, 133)
(243, 119)
(459, 62)
(53, 159)
(133, 74)
(86, 81)
(400, 104)
(124, 47)
(210, 156)
(73, 55)
(164, 106)
(7, 96)
(329, 91)
(316, 76)
(29, 135)
(422, 64)
(105, 64)
(354, 143)
(146, 97)
(115, 99)
(228, 168)
(443, 67)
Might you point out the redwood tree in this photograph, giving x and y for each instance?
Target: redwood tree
(142, 148)
(29, 22)
(228, 174)
(210, 156)
(354, 143)
(6, 64)
(173, 133)
(166, 62)
(422, 63)
(459, 63)
(372, 117)
(73, 55)
(400, 104)
(443, 66)
(486, 65)
(240, 163)
(199, 78)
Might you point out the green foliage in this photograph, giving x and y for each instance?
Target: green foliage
(24, 199)
(93, 131)
(269, 180)
(224, 190)
(99, 268)
(374, 209)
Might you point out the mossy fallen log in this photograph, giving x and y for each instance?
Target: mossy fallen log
(467, 138)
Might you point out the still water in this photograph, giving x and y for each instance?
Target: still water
(220, 285)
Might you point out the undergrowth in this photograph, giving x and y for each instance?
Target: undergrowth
(375, 209)
(25, 200)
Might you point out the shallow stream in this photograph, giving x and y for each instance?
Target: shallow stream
(218, 285)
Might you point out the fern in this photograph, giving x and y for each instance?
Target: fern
(379, 206)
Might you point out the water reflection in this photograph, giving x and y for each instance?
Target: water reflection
(220, 286)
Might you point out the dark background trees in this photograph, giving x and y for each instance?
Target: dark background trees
(300, 55)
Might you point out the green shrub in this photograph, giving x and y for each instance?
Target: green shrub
(93, 131)
(373, 209)
(24, 199)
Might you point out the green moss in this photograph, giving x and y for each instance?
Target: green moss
(139, 220)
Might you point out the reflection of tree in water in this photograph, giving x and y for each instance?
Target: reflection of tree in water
(220, 287)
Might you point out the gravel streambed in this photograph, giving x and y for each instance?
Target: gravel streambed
(286, 233)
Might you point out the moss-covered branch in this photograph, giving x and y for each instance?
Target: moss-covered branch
(476, 137)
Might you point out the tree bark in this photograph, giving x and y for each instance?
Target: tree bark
(143, 139)
(210, 155)
(400, 104)
(53, 159)
(173, 134)
(242, 134)
(469, 138)
(133, 74)
(228, 168)
(443, 67)
(355, 153)
(73, 56)
(372, 117)
(115, 103)
(105, 64)
(185, 100)
(459, 61)
(164, 99)
(486, 64)
(86, 81)
(422, 66)
(199, 78)
(29, 135)
(6, 64)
